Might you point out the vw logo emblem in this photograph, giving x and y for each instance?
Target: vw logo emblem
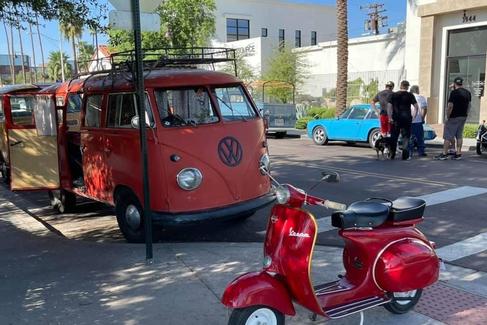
(230, 151)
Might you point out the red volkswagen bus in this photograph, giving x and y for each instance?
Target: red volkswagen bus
(206, 143)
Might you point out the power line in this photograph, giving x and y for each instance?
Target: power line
(375, 19)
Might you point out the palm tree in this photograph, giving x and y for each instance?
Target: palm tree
(10, 55)
(86, 52)
(54, 66)
(71, 31)
(342, 56)
(22, 61)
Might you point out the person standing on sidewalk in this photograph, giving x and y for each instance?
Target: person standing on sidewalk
(382, 98)
(418, 121)
(457, 112)
(399, 112)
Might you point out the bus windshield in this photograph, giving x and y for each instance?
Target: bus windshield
(182, 107)
(234, 104)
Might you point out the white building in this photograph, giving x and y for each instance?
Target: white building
(448, 39)
(377, 57)
(257, 27)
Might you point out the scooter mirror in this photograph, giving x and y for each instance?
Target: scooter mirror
(330, 177)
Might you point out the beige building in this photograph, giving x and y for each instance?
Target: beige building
(446, 39)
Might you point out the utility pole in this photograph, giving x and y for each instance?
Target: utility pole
(375, 20)
(22, 62)
(33, 55)
(42, 51)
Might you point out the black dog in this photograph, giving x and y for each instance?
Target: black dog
(381, 146)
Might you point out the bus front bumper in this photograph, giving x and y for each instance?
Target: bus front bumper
(224, 213)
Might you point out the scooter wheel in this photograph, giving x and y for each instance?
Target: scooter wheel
(256, 315)
(402, 302)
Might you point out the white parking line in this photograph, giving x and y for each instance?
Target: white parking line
(324, 224)
(467, 247)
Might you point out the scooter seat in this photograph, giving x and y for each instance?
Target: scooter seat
(407, 208)
(362, 214)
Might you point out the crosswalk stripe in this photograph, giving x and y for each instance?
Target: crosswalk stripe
(467, 247)
(324, 224)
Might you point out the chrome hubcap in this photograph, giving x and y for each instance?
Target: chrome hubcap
(132, 216)
(262, 316)
(319, 135)
(407, 294)
(375, 137)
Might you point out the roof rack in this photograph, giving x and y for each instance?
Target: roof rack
(185, 57)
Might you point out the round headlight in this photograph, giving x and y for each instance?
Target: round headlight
(264, 163)
(189, 178)
(282, 194)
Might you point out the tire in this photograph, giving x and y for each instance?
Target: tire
(479, 148)
(256, 315)
(130, 218)
(5, 172)
(62, 201)
(280, 135)
(400, 306)
(373, 136)
(319, 136)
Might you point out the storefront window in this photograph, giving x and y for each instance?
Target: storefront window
(467, 50)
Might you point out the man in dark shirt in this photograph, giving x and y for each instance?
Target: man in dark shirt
(457, 112)
(383, 98)
(399, 112)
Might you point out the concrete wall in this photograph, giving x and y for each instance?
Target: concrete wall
(371, 57)
(278, 14)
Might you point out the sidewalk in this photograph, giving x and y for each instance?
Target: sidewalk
(48, 279)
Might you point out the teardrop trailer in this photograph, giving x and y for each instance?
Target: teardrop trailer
(206, 142)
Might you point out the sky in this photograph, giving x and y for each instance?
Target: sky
(396, 12)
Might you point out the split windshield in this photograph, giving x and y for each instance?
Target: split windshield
(193, 106)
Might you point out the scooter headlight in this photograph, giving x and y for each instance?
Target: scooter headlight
(189, 179)
(264, 164)
(282, 194)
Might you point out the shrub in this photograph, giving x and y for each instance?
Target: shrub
(470, 130)
(321, 112)
(302, 123)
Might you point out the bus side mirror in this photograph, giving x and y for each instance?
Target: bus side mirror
(135, 122)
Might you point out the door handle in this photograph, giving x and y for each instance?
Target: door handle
(16, 143)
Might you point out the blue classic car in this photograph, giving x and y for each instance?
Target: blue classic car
(359, 123)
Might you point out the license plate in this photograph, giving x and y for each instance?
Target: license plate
(279, 122)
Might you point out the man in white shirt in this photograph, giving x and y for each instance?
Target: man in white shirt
(418, 121)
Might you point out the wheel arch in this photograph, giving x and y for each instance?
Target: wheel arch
(123, 189)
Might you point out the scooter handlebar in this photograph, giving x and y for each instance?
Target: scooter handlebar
(313, 200)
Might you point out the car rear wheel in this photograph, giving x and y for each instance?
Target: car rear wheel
(319, 136)
(373, 136)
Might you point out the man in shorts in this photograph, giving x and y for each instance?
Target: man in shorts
(457, 112)
(400, 117)
(383, 98)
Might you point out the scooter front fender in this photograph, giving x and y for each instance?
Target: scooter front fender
(258, 288)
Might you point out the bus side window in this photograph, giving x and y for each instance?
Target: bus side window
(122, 108)
(73, 110)
(93, 111)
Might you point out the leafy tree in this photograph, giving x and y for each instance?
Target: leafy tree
(86, 52)
(54, 66)
(184, 23)
(244, 71)
(90, 12)
(288, 68)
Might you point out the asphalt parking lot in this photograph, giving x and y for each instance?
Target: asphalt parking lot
(456, 192)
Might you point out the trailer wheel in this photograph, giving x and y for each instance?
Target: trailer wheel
(402, 302)
(62, 201)
(256, 315)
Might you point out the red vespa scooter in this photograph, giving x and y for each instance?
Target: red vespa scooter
(387, 260)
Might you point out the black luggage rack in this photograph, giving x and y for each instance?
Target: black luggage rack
(153, 59)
